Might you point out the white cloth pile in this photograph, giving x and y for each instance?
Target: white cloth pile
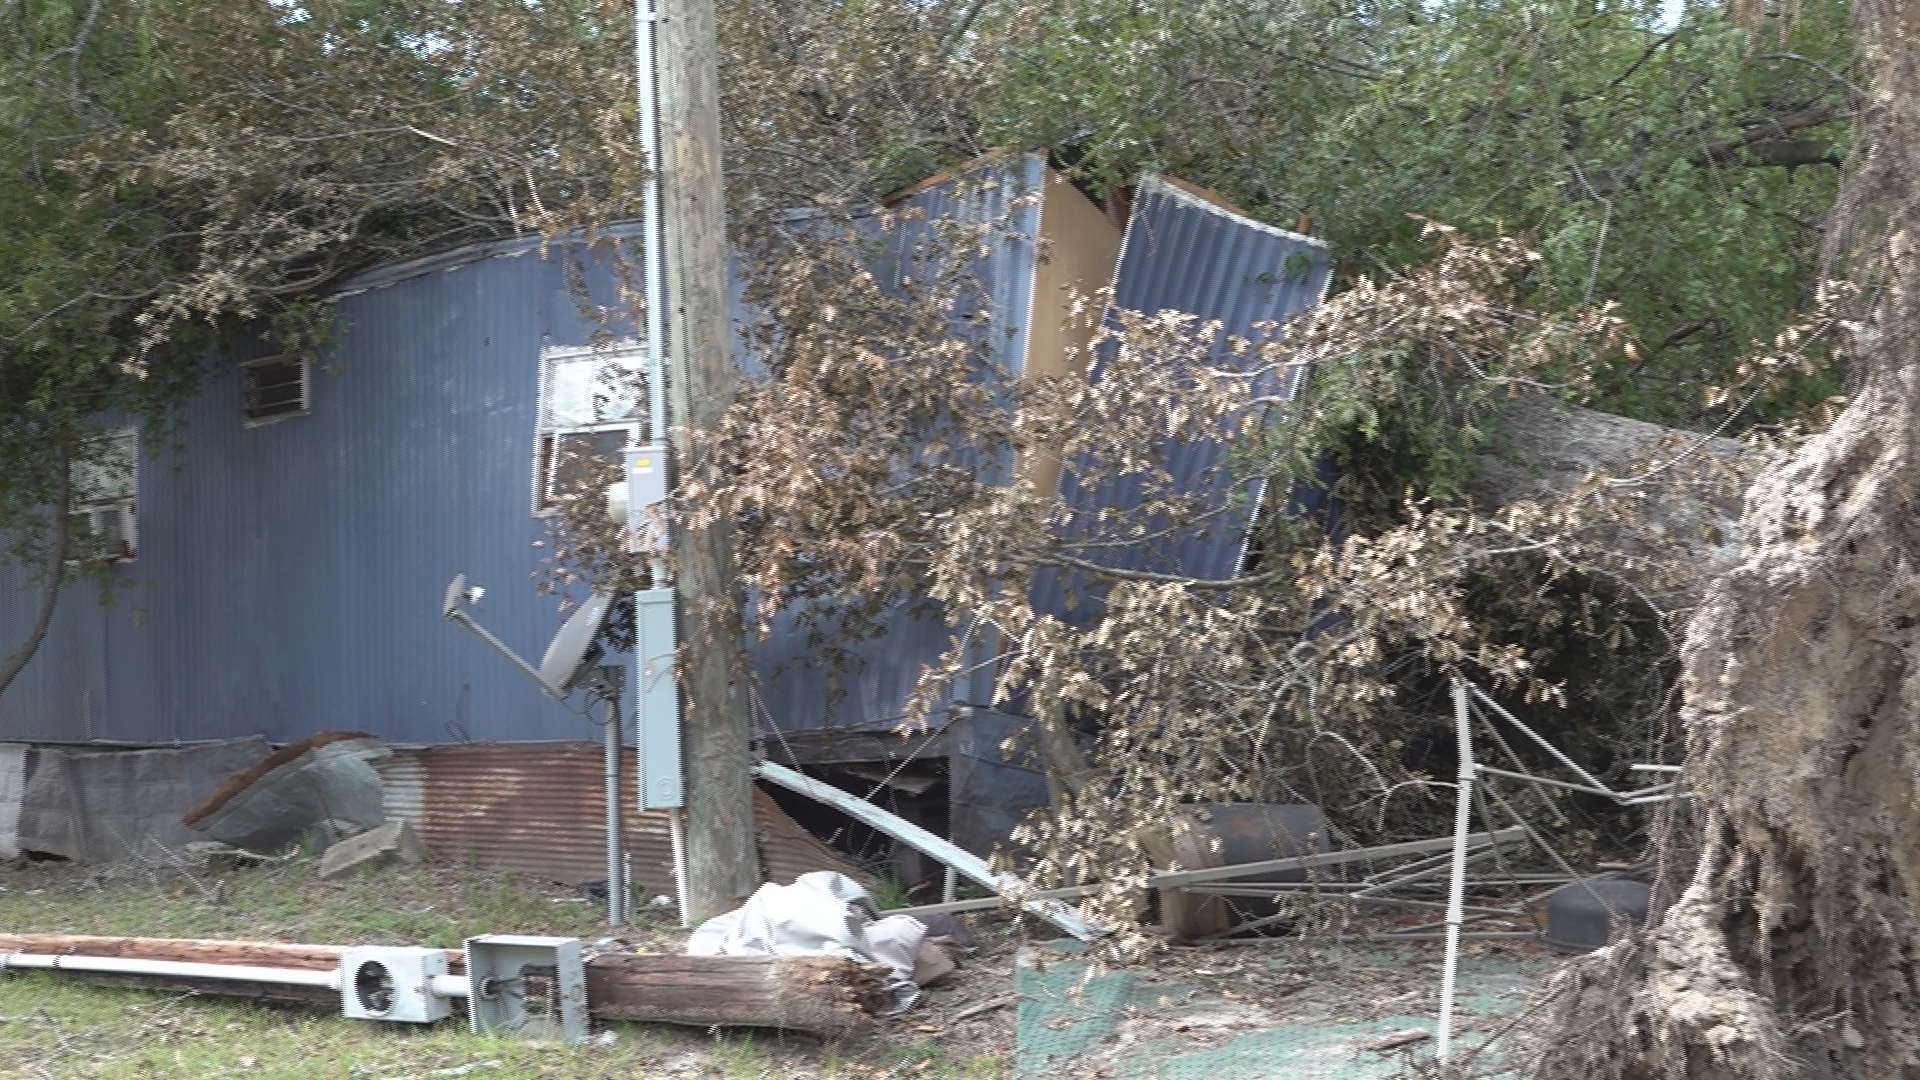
(822, 914)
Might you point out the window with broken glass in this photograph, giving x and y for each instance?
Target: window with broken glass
(106, 487)
(593, 405)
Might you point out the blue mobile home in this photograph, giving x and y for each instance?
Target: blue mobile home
(290, 552)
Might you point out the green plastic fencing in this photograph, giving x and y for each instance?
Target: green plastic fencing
(1264, 1010)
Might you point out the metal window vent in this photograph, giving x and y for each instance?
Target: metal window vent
(274, 389)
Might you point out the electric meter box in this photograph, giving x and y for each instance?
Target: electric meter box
(393, 983)
(533, 987)
(646, 496)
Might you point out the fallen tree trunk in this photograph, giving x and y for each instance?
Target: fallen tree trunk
(1795, 950)
(821, 994)
(1678, 492)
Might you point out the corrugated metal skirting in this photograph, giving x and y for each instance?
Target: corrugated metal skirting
(539, 808)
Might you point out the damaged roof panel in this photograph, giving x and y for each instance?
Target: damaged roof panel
(1189, 252)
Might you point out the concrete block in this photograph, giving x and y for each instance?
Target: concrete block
(393, 842)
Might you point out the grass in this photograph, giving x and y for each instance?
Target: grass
(53, 1028)
(433, 904)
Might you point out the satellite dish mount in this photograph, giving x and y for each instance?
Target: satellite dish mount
(571, 662)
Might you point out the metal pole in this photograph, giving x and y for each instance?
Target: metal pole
(616, 863)
(652, 261)
(1456, 892)
(646, 24)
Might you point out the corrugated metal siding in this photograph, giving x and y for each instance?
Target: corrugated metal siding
(1183, 253)
(289, 576)
(1006, 196)
(796, 689)
(540, 808)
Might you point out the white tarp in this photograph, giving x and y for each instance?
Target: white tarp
(821, 914)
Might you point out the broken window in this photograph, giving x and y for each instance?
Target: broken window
(273, 389)
(593, 404)
(106, 488)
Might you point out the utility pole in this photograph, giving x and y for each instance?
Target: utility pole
(722, 865)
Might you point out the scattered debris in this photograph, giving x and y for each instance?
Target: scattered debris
(821, 914)
(967, 863)
(214, 857)
(393, 842)
(986, 1006)
(1393, 1040)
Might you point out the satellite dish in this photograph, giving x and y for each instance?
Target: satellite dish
(572, 655)
(454, 588)
(573, 652)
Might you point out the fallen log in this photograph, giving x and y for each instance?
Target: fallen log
(825, 995)
(274, 954)
(820, 994)
(1679, 491)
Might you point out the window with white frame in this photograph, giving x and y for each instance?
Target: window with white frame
(593, 404)
(273, 389)
(106, 488)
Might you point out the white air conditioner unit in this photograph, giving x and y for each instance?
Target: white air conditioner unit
(393, 983)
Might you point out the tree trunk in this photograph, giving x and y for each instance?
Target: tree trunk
(1685, 490)
(1795, 950)
(53, 575)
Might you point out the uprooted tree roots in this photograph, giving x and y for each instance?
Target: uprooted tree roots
(1795, 951)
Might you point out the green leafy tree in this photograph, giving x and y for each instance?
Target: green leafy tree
(1678, 170)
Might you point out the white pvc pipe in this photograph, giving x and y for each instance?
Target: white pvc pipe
(1456, 892)
(973, 866)
(121, 965)
(329, 979)
(646, 19)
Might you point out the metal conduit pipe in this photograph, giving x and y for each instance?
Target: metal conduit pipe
(450, 985)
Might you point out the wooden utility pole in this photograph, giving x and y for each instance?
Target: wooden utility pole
(722, 864)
